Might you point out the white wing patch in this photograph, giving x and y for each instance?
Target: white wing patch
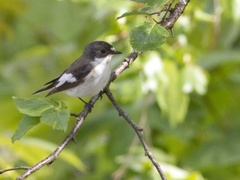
(66, 78)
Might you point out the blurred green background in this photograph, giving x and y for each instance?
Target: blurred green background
(186, 95)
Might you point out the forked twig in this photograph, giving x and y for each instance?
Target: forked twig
(138, 131)
(80, 118)
(168, 23)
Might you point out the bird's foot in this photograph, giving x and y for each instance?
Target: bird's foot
(86, 104)
(100, 94)
(89, 106)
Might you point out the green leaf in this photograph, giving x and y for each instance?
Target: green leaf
(50, 112)
(151, 2)
(57, 118)
(148, 36)
(143, 11)
(26, 123)
(32, 106)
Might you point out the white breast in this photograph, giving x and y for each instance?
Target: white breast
(95, 81)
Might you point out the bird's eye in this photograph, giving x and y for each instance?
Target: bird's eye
(103, 51)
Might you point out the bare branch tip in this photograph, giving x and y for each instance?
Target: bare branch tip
(15, 168)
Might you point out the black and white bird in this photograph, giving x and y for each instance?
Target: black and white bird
(88, 75)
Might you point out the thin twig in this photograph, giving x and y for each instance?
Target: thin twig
(15, 168)
(71, 137)
(81, 117)
(175, 13)
(119, 173)
(138, 132)
(124, 65)
(168, 24)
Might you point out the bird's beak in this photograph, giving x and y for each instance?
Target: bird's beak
(113, 51)
(116, 52)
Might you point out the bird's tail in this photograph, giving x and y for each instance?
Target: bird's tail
(43, 89)
(50, 84)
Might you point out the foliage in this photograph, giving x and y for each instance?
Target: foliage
(52, 113)
(185, 93)
(148, 36)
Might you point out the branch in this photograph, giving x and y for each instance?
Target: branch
(169, 20)
(168, 23)
(80, 118)
(175, 13)
(124, 65)
(71, 137)
(15, 168)
(138, 131)
(119, 173)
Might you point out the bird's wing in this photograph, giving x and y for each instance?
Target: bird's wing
(71, 77)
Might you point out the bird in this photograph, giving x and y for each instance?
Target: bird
(87, 75)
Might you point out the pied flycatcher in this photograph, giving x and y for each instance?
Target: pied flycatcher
(88, 75)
